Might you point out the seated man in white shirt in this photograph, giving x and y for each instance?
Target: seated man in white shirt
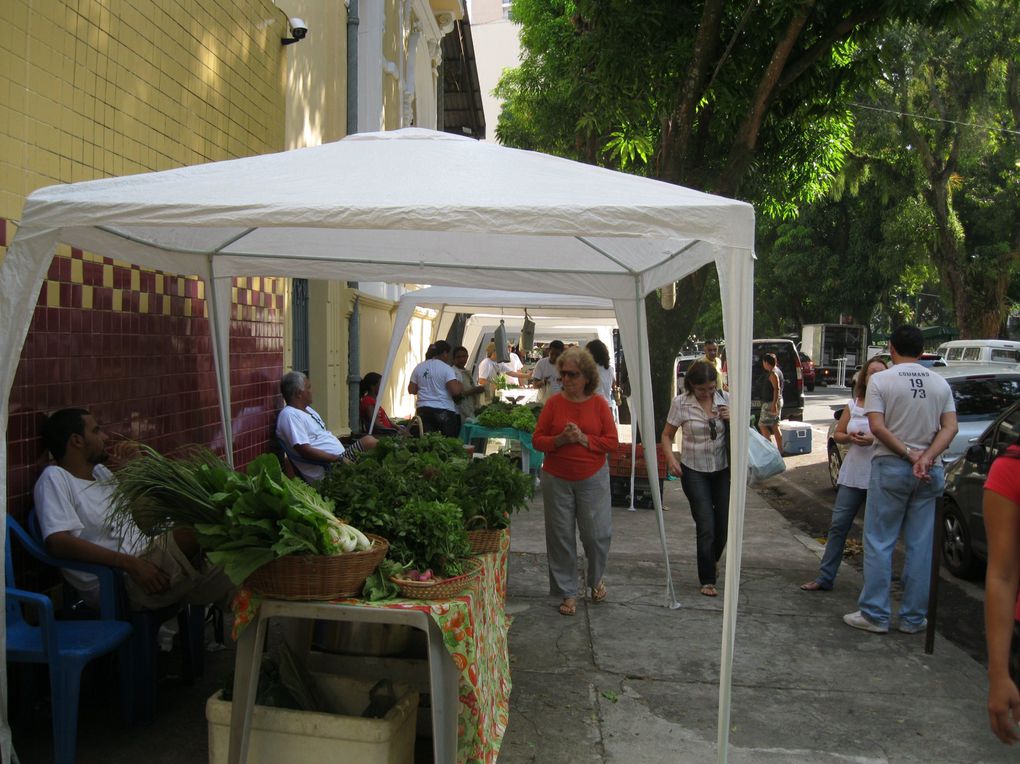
(73, 499)
(303, 431)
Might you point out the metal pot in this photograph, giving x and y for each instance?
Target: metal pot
(360, 638)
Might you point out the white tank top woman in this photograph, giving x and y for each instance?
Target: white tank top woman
(856, 469)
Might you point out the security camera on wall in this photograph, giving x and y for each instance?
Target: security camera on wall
(298, 31)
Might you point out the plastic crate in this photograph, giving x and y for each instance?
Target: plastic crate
(619, 491)
(619, 462)
(796, 437)
(283, 734)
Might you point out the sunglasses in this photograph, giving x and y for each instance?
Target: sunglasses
(711, 428)
(570, 374)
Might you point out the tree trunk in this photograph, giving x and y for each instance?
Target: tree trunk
(746, 140)
(676, 131)
(667, 332)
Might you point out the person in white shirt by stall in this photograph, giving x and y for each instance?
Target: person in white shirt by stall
(435, 383)
(304, 431)
(545, 375)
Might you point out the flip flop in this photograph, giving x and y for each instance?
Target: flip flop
(599, 593)
(568, 606)
(813, 586)
(709, 590)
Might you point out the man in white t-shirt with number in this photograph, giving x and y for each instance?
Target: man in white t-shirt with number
(913, 418)
(435, 383)
(303, 431)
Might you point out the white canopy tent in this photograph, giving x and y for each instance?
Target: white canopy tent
(410, 205)
(446, 302)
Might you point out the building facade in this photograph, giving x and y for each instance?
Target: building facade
(94, 89)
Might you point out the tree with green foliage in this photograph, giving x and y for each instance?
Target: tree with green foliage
(957, 92)
(734, 97)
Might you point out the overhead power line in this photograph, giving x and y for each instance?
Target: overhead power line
(937, 119)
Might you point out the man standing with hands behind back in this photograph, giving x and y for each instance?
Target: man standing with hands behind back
(913, 417)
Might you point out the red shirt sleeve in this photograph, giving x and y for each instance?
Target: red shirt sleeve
(1004, 476)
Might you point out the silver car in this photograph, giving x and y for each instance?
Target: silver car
(981, 393)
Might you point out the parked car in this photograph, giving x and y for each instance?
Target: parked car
(981, 391)
(682, 364)
(970, 351)
(789, 362)
(807, 367)
(964, 544)
(929, 360)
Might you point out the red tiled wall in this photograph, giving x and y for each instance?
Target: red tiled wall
(133, 346)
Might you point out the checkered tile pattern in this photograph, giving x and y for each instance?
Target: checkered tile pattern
(133, 345)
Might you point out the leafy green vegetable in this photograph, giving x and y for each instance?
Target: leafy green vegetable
(499, 414)
(430, 534)
(242, 520)
(378, 585)
(492, 489)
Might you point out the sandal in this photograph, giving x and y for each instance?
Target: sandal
(813, 586)
(709, 590)
(599, 593)
(568, 606)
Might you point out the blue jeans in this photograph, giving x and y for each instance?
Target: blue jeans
(709, 497)
(848, 503)
(897, 501)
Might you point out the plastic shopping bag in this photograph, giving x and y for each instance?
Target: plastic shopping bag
(763, 458)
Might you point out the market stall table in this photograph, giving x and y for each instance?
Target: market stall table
(468, 662)
(530, 458)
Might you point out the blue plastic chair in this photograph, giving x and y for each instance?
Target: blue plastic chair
(139, 655)
(66, 646)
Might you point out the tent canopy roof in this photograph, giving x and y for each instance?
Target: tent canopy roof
(406, 205)
(464, 300)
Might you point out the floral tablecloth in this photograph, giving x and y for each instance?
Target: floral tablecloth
(474, 627)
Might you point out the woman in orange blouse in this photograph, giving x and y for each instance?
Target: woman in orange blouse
(702, 413)
(575, 431)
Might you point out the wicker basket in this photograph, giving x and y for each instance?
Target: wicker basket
(444, 588)
(318, 577)
(486, 540)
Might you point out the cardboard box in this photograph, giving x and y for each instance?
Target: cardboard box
(283, 734)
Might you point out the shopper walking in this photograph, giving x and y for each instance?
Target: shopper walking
(575, 431)
(702, 413)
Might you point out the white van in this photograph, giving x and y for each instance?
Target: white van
(980, 351)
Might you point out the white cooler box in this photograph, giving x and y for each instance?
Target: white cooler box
(282, 735)
(796, 437)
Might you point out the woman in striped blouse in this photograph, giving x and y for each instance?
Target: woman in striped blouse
(702, 413)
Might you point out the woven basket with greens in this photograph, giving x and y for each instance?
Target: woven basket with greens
(243, 520)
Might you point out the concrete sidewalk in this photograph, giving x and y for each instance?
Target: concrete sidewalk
(628, 680)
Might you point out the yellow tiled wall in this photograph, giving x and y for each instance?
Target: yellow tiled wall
(94, 88)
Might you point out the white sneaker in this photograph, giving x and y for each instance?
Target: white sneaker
(910, 628)
(858, 621)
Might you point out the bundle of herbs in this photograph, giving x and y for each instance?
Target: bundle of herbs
(242, 520)
(369, 493)
(492, 489)
(429, 539)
